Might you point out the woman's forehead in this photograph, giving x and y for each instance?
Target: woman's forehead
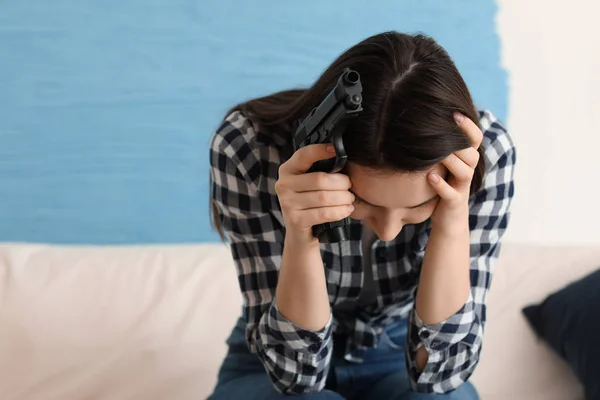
(390, 190)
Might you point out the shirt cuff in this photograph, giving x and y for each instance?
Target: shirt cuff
(457, 328)
(277, 329)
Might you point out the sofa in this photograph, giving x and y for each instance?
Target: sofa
(150, 322)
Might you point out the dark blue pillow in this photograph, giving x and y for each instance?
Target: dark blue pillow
(569, 321)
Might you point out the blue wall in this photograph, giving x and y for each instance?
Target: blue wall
(107, 107)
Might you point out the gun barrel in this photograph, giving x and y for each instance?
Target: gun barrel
(346, 92)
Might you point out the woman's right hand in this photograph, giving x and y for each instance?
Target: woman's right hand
(314, 198)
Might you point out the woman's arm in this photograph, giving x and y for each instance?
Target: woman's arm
(296, 359)
(307, 200)
(444, 284)
(446, 326)
(302, 290)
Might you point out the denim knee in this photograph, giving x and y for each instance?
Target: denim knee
(265, 391)
(466, 391)
(322, 395)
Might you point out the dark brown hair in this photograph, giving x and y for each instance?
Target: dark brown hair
(411, 88)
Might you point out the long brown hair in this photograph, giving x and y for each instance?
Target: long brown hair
(411, 88)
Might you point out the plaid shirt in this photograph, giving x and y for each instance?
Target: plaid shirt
(244, 168)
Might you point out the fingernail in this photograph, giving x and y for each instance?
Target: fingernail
(330, 148)
(458, 117)
(435, 178)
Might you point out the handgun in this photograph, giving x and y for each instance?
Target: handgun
(327, 123)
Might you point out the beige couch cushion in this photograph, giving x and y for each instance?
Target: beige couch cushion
(514, 364)
(113, 323)
(149, 322)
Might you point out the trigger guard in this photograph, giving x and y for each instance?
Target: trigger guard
(340, 153)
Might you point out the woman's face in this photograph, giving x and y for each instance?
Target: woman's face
(385, 201)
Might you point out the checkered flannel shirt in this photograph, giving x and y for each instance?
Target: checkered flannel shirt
(244, 168)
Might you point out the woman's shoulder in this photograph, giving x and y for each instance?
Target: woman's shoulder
(235, 132)
(241, 142)
(497, 141)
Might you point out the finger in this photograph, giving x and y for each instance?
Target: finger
(321, 198)
(319, 181)
(462, 172)
(470, 129)
(442, 187)
(305, 157)
(469, 156)
(316, 216)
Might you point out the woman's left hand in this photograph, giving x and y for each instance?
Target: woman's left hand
(452, 211)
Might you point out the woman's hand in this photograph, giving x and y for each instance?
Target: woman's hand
(313, 198)
(452, 211)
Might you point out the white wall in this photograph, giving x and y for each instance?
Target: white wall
(551, 50)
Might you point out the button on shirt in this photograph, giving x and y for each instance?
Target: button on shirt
(244, 168)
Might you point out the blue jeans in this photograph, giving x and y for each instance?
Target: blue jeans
(381, 376)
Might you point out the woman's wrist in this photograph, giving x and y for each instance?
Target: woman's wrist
(454, 223)
(301, 240)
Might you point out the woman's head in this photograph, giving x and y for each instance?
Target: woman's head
(411, 88)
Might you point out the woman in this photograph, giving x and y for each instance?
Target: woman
(398, 310)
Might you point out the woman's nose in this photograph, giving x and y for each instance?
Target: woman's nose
(387, 227)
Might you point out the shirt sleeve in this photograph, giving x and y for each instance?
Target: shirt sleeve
(454, 345)
(296, 359)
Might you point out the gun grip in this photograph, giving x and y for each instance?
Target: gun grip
(323, 165)
(332, 232)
